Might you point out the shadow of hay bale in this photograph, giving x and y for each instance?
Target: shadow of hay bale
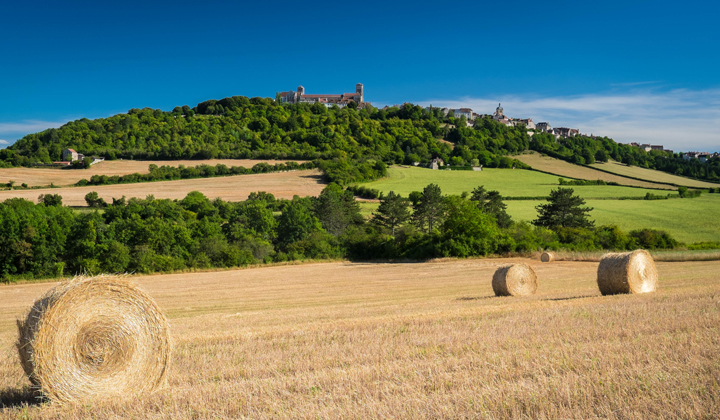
(21, 397)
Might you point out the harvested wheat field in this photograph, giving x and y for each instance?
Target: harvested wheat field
(652, 175)
(230, 188)
(562, 168)
(61, 177)
(426, 340)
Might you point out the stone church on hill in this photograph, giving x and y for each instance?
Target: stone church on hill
(340, 100)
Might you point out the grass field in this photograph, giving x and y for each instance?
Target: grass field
(688, 220)
(652, 175)
(414, 341)
(562, 168)
(230, 188)
(60, 177)
(509, 182)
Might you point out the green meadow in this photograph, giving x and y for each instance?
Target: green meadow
(509, 182)
(688, 220)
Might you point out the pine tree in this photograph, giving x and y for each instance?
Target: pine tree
(429, 210)
(563, 210)
(393, 211)
(490, 202)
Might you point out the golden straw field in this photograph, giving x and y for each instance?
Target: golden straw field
(229, 188)
(415, 340)
(61, 177)
(563, 168)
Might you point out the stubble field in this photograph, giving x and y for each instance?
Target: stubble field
(426, 340)
(61, 177)
(562, 168)
(652, 175)
(229, 188)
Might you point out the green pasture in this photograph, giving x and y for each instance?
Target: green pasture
(688, 220)
(509, 182)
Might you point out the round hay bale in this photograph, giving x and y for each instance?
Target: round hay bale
(515, 280)
(629, 272)
(547, 257)
(93, 337)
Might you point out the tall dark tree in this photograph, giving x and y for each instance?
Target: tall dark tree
(490, 202)
(563, 210)
(392, 212)
(430, 208)
(337, 209)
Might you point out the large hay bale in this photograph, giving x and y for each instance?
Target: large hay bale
(515, 280)
(547, 257)
(94, 337)
(629, 272)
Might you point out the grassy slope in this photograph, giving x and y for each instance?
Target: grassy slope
(687, 220)
(510, 183)
(651, 175)
(413, 341)
(560, 167)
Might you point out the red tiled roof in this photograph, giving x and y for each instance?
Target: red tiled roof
(72, 151)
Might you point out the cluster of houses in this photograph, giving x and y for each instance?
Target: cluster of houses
(701, 156)
(499, 116)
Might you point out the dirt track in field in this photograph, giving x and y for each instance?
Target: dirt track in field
(230, 188)
(61, 177)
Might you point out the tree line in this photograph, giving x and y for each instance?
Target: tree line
(150, 235)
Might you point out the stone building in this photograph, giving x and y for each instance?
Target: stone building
(341, 100)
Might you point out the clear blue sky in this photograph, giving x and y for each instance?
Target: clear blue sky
(633, 70)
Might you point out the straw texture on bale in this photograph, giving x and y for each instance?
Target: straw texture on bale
(94, 337)
(547, 257)
(629, 272)
(515, 280)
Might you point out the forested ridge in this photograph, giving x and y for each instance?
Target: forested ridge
(239, 127)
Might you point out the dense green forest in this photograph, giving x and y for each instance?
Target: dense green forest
(586, 150)
(239, 127)
(149, 235)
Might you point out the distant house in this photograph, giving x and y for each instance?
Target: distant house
(565, 132)
(436, 163)
(70, 155)
(527, 121)
(656, 147)
(466, 112)
(543, 127)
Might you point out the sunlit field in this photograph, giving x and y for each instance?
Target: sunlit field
(425, 340)
(509, 182)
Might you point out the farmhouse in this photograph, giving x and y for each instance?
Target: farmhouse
(340, 100)
(70, 155)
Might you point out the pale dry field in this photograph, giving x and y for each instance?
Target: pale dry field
(426, 340)
(60, 177)
(229, 188)
(562, 168)
(652, 175)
